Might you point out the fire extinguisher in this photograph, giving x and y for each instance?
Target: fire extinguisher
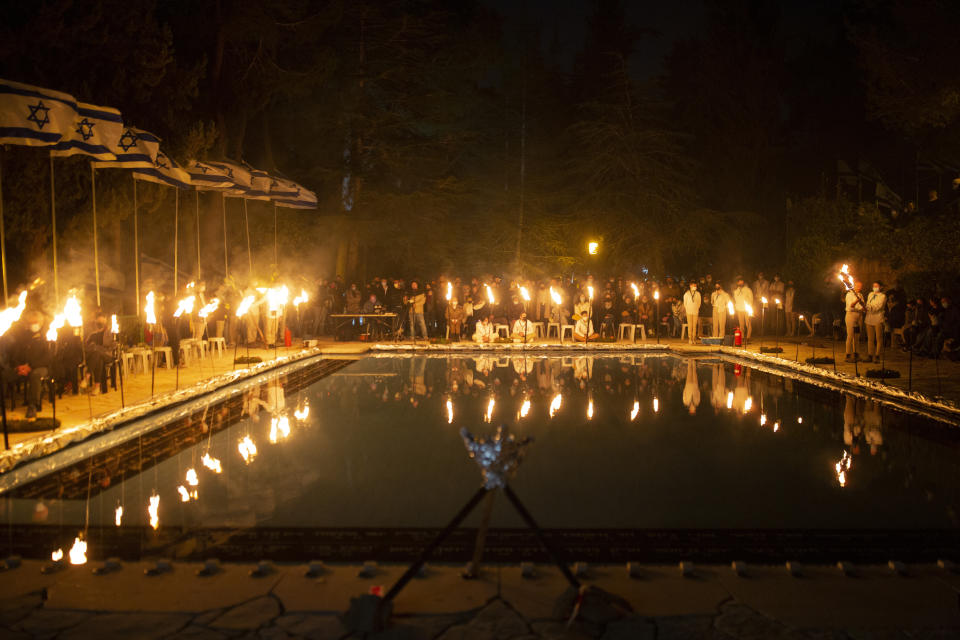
(287, 337)
(737, 338)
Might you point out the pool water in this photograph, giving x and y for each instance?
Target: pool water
(620, 443)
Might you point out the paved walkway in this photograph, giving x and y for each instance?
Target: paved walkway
(658, 603)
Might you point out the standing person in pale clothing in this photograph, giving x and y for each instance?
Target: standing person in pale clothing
(761, 290)
(854, 306)
(691, 306)
(743, 296)
(876, 308)
(719, 299)
(789, 296)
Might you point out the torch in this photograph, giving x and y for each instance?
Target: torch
(763, 308)
(151, 318)
(636, 301)
(776, 326)
(242, 311)
(589, 312)
(749, 309)
(297, 301)
(656, 296)
(115, 330)
(800, 319)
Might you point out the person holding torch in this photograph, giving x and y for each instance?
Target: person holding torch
(855, 307)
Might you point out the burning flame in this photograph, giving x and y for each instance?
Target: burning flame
(55, 325)
(557, 299)
(449, 291)
(72, 311)
(845, 277)
(656, 405)
(763, 419)
(636, 291)
(748, 308)
(799, 419)
(11, 314)
(247, 448)
(590, 409)
(154, 511)
(191, 285)
(185, 305)
(843, 466)
(192, 478)
(148, 309)
(593, 247)
(300, 299)
(525, 408)
(730, 309)
(449, 411)
(244, 306)
(57, 555)
(656, 294)
(730, 400)
(489, 294)
(525, 294)
(555, 404)
(635, 411)
(118, 515)
(279, 429)
(748, 404)
(184, 494)
(209, 308)
(590, 291)
(302, 413)
(78, 552)
(211, 463)
(776, 300)
(490, 405)
(776, 427)
(114, 325)
(277, 298)
(763, 299)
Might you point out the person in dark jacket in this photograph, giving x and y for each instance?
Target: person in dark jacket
(31, 359)
(99, 349)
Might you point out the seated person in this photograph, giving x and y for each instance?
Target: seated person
(455, 317)
(99, 349)
(31, 359)
(608, 320)
(523, 330)
(583, 330)
(486, 332)
(370, 306)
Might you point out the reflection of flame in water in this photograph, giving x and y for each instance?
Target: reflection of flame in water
(154, 511)
(57, 555)
(302, 413)
(555, 404)
(449, 412)
(490, 405)
(842, 467)
(635, 411)
(525, 408)
(279, 428)
(118, 515)
(799, 419)
(590, 409)
(192, 478)
(730, 400)
(748, 404)
(247, 448)
(184, 494)
(763, 419)
(656, 405)
(78, 552)
(211, 463)
(776, 427)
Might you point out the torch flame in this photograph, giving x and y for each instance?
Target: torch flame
(211, 463)
(656, 405)
(114, 325)
(776, 427)
(730, 309)
(279, 429)
(635, 411)
(209, 308)
(748, 308)
(490, 405)
(763, 299)
(301, 414)
(763, 419)
(300, 299)
(192, 478)
(11, 314)
(636, 291)
(277, 297)
(154, 511)
(489, 294)
(449, 411)
(555, 404)
(78, 552)
(245, 305)
(557, 299)
(184, 494)
(590, 291)
(525, 294)
(449, 295)
(247, 448)
(55, 325)
(590, 409)
(118, 515)
(71, 309)
(185, 305)
(57, 555)
(748, 404)
(148, 309)
(525, 408)
(656, 294)
(730, 400)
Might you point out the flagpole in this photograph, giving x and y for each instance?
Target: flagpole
(223, 202)
(96, 253)
(136, 245)
(176, 240)
(197, 192)
(276, 259)
(246, 221)
(3, 242)
(53, 218)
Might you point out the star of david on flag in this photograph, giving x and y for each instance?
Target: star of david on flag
(132, 148)
(95, 133)
(300, 198)
(205, 176)
(166, 171)
(259, 185)
(33, 116)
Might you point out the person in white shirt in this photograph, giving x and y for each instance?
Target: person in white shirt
(719, 299)
(582, 328)
(876, 308)
(743, 296)
(777, 289)
(761, 290)
(523, 330)
(485, 332)
(854, 306)
(789, 296)
(691, 306)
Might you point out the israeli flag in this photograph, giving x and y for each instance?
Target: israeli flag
(165, 171)
(208, 175)
(34, 117)
(133, 149)
(259, 185)
(95, 132)
(283, 189)
(300, 199)
(241, 182)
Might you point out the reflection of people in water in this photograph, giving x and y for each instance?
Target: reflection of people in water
(718, 396)
(691, 389)
(853, 423)
(872, 426)
(583, 368)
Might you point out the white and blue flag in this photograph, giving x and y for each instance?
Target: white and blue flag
(132, 149)
(259, 185)
(95, 133)
(300, 198)
(207, 175)
(34, 117)
(166, 171)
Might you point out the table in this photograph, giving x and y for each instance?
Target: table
(385, 321)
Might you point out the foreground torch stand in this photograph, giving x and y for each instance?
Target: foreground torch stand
(498, 458)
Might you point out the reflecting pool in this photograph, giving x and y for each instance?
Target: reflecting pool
(645, 443)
